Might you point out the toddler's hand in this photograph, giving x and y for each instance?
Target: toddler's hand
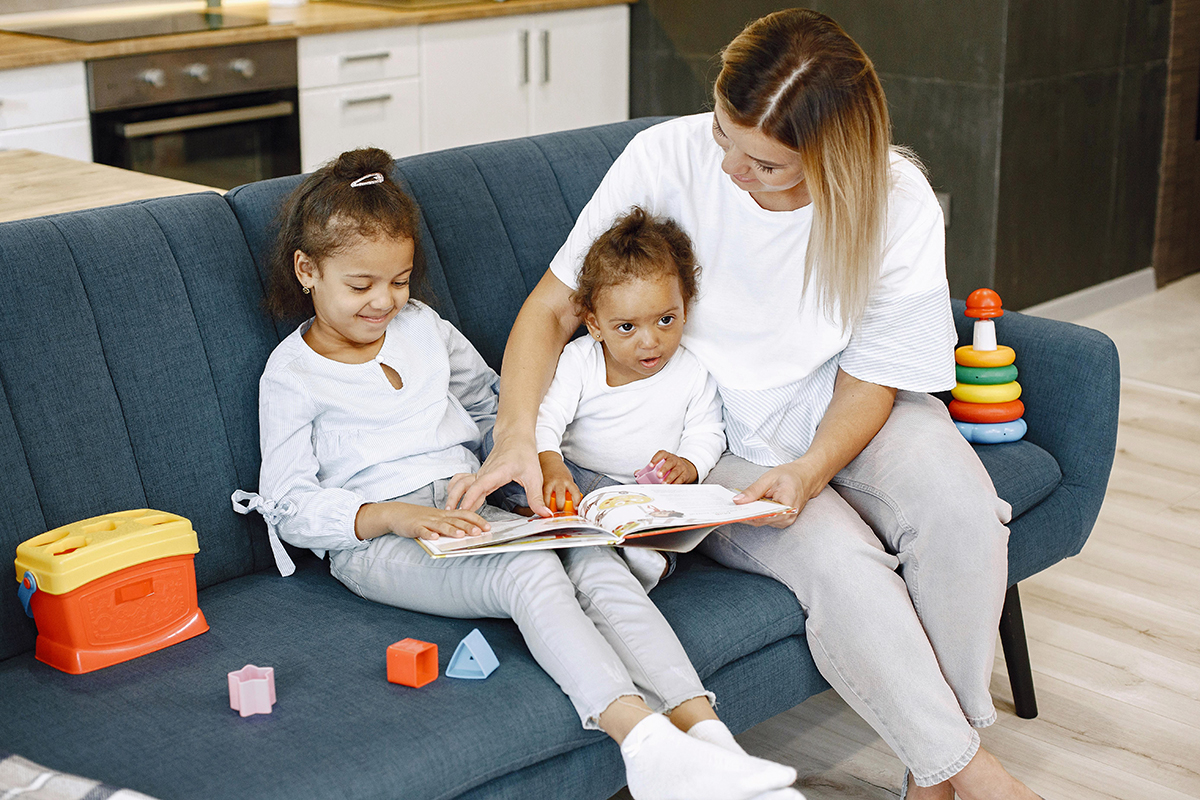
(675, 469)
(421, 522)
(557, 483)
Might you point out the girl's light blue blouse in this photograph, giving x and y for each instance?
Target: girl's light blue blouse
(335, 436)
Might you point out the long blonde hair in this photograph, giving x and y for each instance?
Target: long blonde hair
(799, 78)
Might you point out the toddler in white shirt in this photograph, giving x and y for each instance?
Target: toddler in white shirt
(629, 396)
(368, 410)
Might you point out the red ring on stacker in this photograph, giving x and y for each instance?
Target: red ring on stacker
(986, 412)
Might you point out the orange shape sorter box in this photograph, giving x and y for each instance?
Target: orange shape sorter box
(111, 588)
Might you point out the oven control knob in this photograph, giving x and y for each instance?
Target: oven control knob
(154, 76)
(243, 66)
(199, 72)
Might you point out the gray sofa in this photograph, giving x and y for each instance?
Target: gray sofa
(131, 340)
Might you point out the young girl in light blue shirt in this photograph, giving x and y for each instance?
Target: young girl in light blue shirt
(369, 409)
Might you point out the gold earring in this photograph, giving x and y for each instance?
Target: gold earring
(304, 289)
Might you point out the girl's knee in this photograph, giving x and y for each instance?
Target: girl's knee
(538, 570)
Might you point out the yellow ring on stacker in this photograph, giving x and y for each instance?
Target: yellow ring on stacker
(968, 356)
(996, 393)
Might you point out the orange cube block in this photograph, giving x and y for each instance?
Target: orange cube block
(412, 663)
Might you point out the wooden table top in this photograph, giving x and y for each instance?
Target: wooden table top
(24, 50)
(33, 184)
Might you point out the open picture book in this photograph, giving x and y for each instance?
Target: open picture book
(673, 517)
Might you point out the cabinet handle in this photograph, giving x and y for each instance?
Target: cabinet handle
(545, 37)
(358, 101)
(366, 57)
(524, 58)
(208, 119)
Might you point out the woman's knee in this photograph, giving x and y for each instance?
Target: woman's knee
(828, 556)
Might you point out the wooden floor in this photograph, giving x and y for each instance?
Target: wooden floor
(1114, 633)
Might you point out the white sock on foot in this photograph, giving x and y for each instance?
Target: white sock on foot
(664, 763)
(714, 731)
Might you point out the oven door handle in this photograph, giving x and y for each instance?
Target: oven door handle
(210, 119)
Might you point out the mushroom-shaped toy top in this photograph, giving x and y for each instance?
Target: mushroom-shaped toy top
(984, 304)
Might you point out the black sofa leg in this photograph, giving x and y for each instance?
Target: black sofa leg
(1016, 655)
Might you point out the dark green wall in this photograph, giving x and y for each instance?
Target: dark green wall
(1041, 118)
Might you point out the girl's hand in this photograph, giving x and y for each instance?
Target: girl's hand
(675, 469)
(557, 483)
(792, 484)
(422, 522)
(509, 461)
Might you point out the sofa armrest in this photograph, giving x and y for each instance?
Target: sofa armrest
(1071, 386)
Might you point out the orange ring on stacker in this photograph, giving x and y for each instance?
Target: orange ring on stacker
(986, 412)
(968, 356)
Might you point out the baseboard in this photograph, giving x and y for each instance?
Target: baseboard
(1085, 302)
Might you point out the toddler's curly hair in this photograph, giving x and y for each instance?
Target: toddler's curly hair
(637, 245)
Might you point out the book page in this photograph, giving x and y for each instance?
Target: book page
(628, 510)
(511, 531)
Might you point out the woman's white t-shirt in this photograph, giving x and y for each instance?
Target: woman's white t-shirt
(772, 351)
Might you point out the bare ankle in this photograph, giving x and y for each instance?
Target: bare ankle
(939, 791)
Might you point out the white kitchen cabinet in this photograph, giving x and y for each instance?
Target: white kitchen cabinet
(358, 89)
(378, 114)
(498, 78)
(69, 139)
(581, 74)
(46, 108)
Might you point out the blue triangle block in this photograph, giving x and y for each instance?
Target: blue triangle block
(473, 658)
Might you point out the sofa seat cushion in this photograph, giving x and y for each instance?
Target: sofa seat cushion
(1023, 473)
(161, 724)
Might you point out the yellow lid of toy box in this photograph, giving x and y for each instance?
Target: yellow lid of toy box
(68, 557)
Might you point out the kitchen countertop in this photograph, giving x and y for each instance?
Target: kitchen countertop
(23, 50)
(33, 184)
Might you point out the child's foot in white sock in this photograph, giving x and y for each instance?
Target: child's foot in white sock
(714, 731)
(663, 763)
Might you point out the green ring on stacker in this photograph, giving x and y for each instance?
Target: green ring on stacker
(985, 376)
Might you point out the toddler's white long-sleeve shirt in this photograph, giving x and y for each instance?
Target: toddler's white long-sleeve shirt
(616, 429)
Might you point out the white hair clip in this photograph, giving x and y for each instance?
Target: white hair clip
(367, 180)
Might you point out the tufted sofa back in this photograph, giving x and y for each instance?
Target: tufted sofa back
(132, 336)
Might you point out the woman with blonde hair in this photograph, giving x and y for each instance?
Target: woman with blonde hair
(825, 319)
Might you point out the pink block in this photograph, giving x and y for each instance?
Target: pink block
(252, 690)
(649, 473)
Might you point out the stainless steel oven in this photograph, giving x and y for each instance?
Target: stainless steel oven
(218, 116)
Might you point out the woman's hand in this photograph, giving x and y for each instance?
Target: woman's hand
(416, 522)
(855, 414)
(509, 461)
(557, 483)
(792, 484)
(675, 469)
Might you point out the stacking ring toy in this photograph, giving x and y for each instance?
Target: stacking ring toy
(985, 376)
(986, 412)
(1000, 393)
(968, 356)
(992, 433)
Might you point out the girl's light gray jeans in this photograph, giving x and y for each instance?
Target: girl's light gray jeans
(586, 619)
(900, 566)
